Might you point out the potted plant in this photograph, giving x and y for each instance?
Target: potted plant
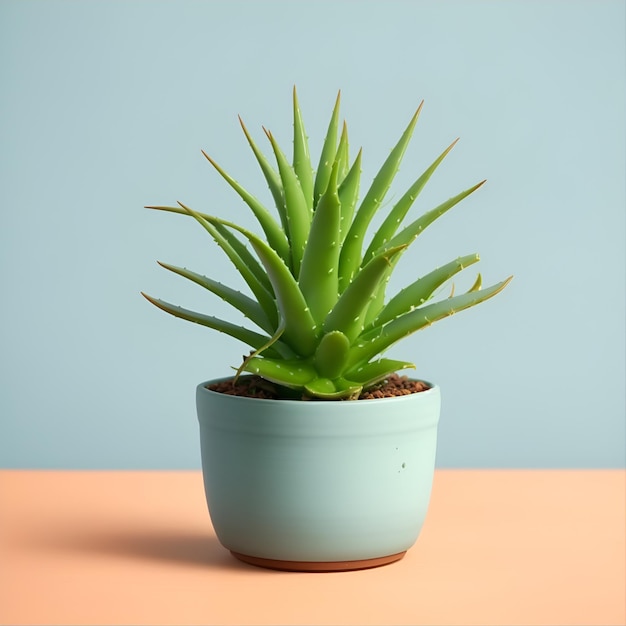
(316, 454)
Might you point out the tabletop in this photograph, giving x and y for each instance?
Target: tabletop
(502, 547)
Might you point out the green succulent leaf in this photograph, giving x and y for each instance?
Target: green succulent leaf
(300, 327)
(249, 268)
(329, 150)
(275, 234)
(249, 307)
(318, 278)
(294, 373)
(343, 157)
(249, 337)
(301, 158)
(417, 293)
(397, 214)
(348, 314)
(235, 247)
(337, 389)
(369, 374)
(271, 176)
(248, 260)
(348, 196)
(353, 245)
(331, 354)
(408, 235)
(298, 213)
(241, 258)
(380, 338)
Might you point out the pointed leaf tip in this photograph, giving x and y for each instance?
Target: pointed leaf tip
(243, 126)
(209, 159)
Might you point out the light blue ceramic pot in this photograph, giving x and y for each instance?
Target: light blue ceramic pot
(318, 485)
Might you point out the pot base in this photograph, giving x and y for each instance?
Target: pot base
(318, 566)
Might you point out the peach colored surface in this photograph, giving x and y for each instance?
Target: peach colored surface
(498, 547)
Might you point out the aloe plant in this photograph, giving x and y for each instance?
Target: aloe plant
(317, 292)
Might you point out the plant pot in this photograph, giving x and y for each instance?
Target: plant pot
(318, 485)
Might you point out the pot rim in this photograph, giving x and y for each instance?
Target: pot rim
(433, 389)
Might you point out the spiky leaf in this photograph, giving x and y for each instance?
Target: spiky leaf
(348, 314)
(249, 307)
(417, 293)
(369, 374)
(318, 278)
(391, 223)
(407, 236)
(298, 213)
(249, 337)
(301, 158)
(295, 373)
(353, 245)
(275, 235)
(300, 327)
(241, 259)
(329, 150)
(271, 176)
(349, 195)
(379, 339)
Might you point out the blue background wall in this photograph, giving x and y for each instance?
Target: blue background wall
(105, 107)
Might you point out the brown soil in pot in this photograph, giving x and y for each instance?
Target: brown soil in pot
(256, 387)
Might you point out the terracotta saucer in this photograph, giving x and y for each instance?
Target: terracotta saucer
(319, 566)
